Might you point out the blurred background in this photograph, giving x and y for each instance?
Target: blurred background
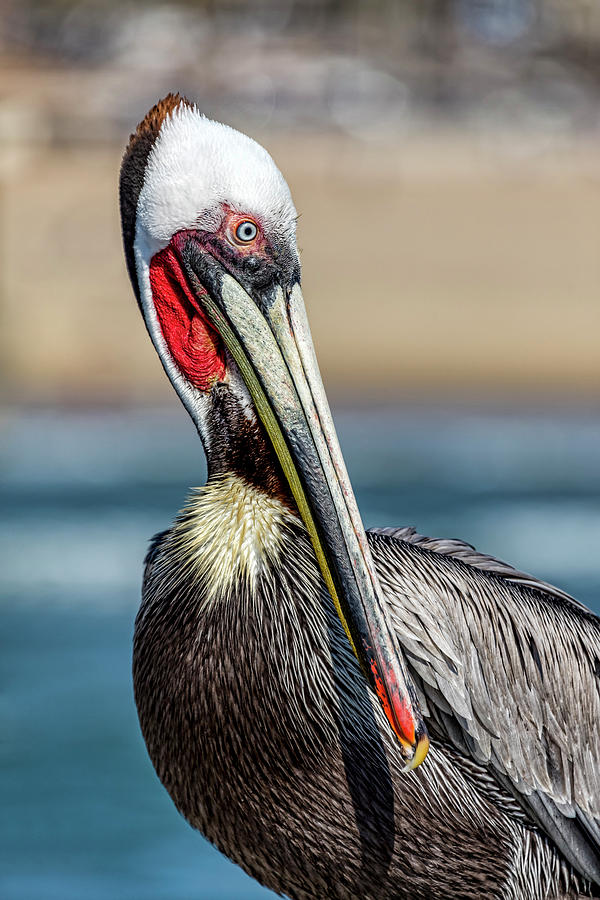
(443, 156)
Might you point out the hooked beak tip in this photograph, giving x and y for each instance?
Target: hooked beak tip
(419, 751)
(401, 712)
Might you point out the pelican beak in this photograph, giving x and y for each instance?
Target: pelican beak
(269, 340)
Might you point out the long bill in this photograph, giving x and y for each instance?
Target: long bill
(272, 347)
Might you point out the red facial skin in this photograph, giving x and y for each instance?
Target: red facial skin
(194, 345)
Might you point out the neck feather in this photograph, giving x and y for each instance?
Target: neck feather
(230, 532)
(236, 444)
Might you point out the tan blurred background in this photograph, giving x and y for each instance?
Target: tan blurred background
(443, 155)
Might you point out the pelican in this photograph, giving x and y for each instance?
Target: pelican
(290, 670)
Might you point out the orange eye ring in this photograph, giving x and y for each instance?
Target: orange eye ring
(245, 232)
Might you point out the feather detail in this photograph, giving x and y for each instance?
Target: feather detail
(523, 694)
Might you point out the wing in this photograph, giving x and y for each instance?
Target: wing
(508, 669)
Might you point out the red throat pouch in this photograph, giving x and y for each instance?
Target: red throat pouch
(194, 345)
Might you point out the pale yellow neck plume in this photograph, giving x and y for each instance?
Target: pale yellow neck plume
(230, 531)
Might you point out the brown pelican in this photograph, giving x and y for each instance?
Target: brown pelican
(286, 665)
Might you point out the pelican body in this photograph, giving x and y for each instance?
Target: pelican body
(290, 670)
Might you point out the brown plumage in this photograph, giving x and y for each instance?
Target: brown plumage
(263, 730)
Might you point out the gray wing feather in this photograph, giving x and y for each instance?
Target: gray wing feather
(468, 554)
(508, 667)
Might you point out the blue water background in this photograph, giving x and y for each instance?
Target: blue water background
(83, 815)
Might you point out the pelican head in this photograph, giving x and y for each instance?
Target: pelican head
(209, 229)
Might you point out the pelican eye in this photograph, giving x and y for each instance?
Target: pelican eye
(246, 231)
